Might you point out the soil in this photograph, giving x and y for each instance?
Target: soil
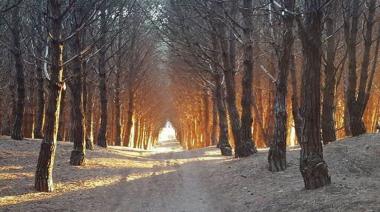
(169, 178)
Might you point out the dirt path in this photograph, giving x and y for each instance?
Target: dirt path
(178, 183)
(169, 179)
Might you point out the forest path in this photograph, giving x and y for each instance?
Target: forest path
(168, 178)
(178, 182)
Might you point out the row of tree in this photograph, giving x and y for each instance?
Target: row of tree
(324, 51)
(191, 63)
(79, 70)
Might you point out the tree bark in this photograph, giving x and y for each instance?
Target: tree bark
(44, 172)
(223, 143)
(61, 125)
(20, 81)
(78, 128)
(228, 49)
(102, 134)
(117, 110)
(356, 100)
(277, 150)
(247, 81)
(328, 105)
(312, 165)
(214, 139)
(88, 105)
(206, 121)
(40, 100)
(129, 125)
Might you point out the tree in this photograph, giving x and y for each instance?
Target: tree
(44, 173)
(312, 165)
(243, 148)
(357, 95)
(247, 81)
(102, 134)
(20, 81)
(277, 151)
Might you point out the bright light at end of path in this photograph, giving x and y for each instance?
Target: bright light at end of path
(167, 133)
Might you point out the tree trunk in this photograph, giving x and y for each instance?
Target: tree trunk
(223, 143)
(206, 121)
(295, 97)
(44, 172)
(247, 87)
(88, 105)
(20, 81)
(328, 105)
(129, 125)
(356, 100)
(78, 128)
(228, 50)
(312, 165)
(214, 139)
(61, 125)
(277, 151)
(40, 107)
(40, 100)
(102, 134)
(117, 109)
(136, 133)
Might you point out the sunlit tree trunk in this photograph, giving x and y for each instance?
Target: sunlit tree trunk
(312, 165)
(44, 173)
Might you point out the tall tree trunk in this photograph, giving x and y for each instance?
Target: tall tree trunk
(228, 49)
(102, 134)
(20, 81)
(247, 87)
(356, 96)
(117, 83)
(40, 95)
(328, 105)
(312, 165)
(277, 151)
(78, 128)
(44, 172)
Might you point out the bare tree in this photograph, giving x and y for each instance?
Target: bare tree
(312, 165)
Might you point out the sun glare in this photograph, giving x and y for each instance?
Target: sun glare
(167, 133)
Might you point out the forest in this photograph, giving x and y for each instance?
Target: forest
(257, 88)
